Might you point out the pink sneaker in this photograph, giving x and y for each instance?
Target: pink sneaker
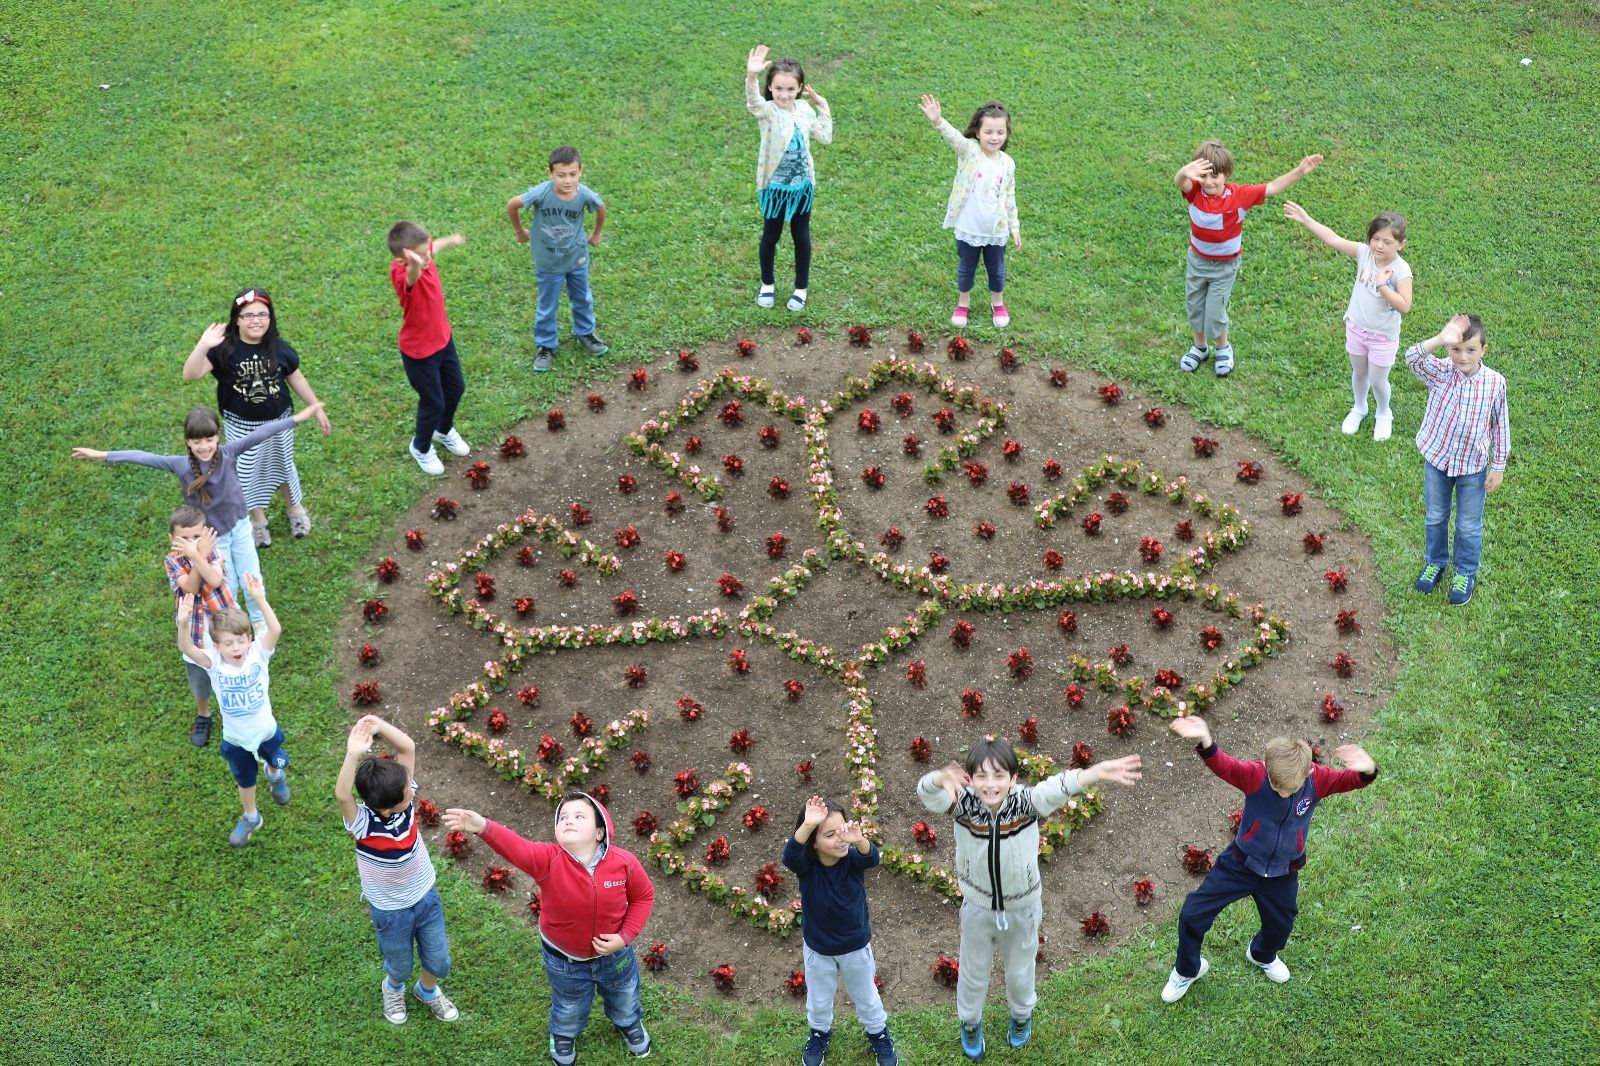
(958, 318)
(1002, 318)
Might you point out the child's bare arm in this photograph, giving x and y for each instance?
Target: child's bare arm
(1452, 333)
(1192, 727)
(204, 547)
(197, 365)
(1282, 182)
(186, 643)
(816, 813)
(465, 821)
(1294, 211)
(89, 453)
(599, 224)
(357, 745)
(1124, 771)
(1190, 173)
(514, 213)
(754, 65)
(456, 240)
(269, 617)
(405, 749)
(415, 265)
(1354, 757)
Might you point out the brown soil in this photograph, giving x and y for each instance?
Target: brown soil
(428, 653)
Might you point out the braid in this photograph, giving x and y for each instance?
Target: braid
(197, 487)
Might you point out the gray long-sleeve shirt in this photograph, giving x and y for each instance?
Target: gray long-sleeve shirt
(227, 498)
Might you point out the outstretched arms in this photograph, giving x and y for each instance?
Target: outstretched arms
(1282, 182)
(1344, 246)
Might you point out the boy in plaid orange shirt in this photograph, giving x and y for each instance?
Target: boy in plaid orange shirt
(195, 571)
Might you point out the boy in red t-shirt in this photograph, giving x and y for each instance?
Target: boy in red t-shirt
(1216, 218)
(427, 349)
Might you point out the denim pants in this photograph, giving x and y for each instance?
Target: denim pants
(994, 265)
(858, 968)
(1016, 934)
(242, 762)
(1229, 881)
(439, 385)
(421, 924)
(1437, 490)
(573, 985)
(237, 546)
(576, 282)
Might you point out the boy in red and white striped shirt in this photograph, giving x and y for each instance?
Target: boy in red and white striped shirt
(1216, 219)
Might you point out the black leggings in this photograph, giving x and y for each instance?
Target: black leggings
(800, 230)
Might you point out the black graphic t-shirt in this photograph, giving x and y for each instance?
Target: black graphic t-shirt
(246, 388)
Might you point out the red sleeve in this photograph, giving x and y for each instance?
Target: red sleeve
(397, 278)
(1250, 196)
(641, 898)
(1332, 782)
(532, 857)
(1244, 776)
(1194, 191)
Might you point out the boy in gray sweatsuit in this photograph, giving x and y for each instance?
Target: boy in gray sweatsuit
(997, 865)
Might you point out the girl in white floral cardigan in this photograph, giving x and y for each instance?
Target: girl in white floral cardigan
(785, 174)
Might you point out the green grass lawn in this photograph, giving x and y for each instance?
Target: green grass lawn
(156, 157)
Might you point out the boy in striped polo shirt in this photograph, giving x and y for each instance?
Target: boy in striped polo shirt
(1216, 219)
(1465, 440)
(396, 874)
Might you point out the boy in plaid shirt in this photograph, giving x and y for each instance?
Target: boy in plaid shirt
(1465, 440)
(195, 571)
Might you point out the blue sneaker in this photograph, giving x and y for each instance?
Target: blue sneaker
(816, 1049)
(1429, 579)
(563, 1050)
(279, 786)
(244, 829)
(1461, 589)
(637, 1040)
(883, 1048)
(1020, 1032)
(972, 1042)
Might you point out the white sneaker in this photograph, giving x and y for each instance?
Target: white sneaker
(1352, 421)
(440, 1004)
(1177, 986)
(1275, 970)
(427, 460)
(1382, 426)
(453, 441)
(394, 1003)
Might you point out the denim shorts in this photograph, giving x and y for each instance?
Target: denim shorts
(573, 984)
(421, 924)
(199, 680)
(242, 761)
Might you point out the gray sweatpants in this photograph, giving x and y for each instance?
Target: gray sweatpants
(1017, 936)
(1207, 288)
(858, 968)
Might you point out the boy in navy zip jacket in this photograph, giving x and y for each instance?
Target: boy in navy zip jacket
(1269, 849)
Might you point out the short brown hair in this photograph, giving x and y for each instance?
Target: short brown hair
(997, 750)
(1393, 221)
(186, 516)
(563, 155)
(1474, 329)
(406, 234)
(230, 620)
(1288, 762)
(1217, 155)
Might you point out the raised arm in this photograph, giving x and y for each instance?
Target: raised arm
(1189, 175)
(405, 749)
(356, 745)
(1282, 182)
(754, 102)
(1294, 211)
(822, 129)
(415, 265)
(269, 618)
(197, 365)
(186, 643)
(940, 789)
(454, 240)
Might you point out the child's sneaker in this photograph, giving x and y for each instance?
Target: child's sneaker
(244, 829)
(279, 786)
(1177, 985)
(260, 534)
(1224, 361)
(440, 1004)
(1352, 421)
(816, 1049)
(453, 441)
(299, 523)
(1382, 426)
(1275, 970)
(427, 460)
(958, 318)
(883, 1047)
(1190, 361)
(1019, 1033)
(1002, 317)
(592, 344)
(1428, 580)
(394, 1002)
(563, 1050)
(200, 733)
(637, 1039)
(766, 297)
(1461, 587)
(542, 359)
(972, 1042)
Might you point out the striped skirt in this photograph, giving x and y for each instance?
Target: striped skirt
(266, 466)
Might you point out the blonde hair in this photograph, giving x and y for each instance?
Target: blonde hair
(230, 620)
(1288, 762)
(1219, 157)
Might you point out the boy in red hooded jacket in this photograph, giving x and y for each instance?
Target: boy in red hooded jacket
(595, 898)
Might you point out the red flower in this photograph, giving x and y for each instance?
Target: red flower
(1111, 394)
(626, 602)
(578, 514)
(1150, 549)
(1120, 655)
(1144, 890)
(1332, 709)
(549, 749)
(971, 703)
(892, 539)
(724, 519)
(513, 448)
(1210, 638)
(496, 878)
(961, 633)
(911, 444)
(755, 818)
(1338, 580)
(627, 537)
(746, 347)
(415, 539)
(478, 474)
(1011, 449)
(803, 769)
(1019, 664)
(984, 531)
(639, 379)
(1116, 502)
(921, 750)
(635, 675)
(1051, 470)
(1196, 860)
(386, 570)
(1017, 493)
(1292, 502)
(914, 341)
(1058, 377)
(444, 508)
(686, 783)
(1204, 447)
(731, 415)
(873, 477)
(1029, 729)
(1091, 523)
(368, 655)
(555, 421)
(455, 842)
(1345, 622)
(1095, 925)
(945, 419)
(692, 445)
(1161, 617)
(1343, 665)
(644, 824)
(733, 464)
(1119, 720)
(529, 695)
(497, 721)
(924, 834)
(1008, 360)
(1068, 622)
(1155, 418)
(525, 555)
(802, 335)
(567, 579)
(581, 723)
(1249, 472)
(1074, 693)
(729, 585)
(937, 563)
(718, 851)
(778, 489)
(1184, 530)
(946, 970)
(602, 793)
(427, 812)
(959, 348)
(902, 405)
(868, 421)
(768, 436)
(1054, 560)
(640, 760)
(723, 975)
(917, 672)
(793, 689)
(938, 507)
(739, 741)
(672, 503)
(674, 560)
(626, 484)
(597, 402)
(1081, 756)
(1313, 542)
(365, 694)
(689, 708)
(687, 361)
(768, 879)
(739, 661)
(796, 984)
(1169, 679)
(976, 472)
(859, 335)
(655, 960)
(483, 584)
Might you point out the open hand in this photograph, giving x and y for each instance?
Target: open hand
(1294, 211)
(811, 94)
(853, 833)
(214, 335)
(1124, 771)
(1385, 278)
(360, 741)
(207, 542)
(464, 820)
(88, 453)
(413, 258)
(1191, 727)
(252, 585)
(1197, 169)
(816, 811)
(953, 778)
(185, 610)
(757, 62)
(1455, 329)
(930, 107)
(1354, 758)
(1309, 163)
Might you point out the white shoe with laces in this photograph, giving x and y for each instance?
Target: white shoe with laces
(453, 441)
(394, 1003)
(1177, 985)
(440, 1004)
(428, 460)
(1275, 970)
(1352, 421)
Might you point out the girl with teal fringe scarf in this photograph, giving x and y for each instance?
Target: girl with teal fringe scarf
(785, 174)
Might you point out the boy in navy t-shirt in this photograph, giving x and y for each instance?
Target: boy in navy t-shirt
(560, 251)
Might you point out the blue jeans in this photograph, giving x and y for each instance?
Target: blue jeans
(573, 985)
(1437, 490)
(242, 761)
(421, 923)
(994, 264)
(576, 282)
(1229, 881)
(237, 546)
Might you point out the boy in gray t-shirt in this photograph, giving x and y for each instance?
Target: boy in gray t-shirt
(560, 251)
